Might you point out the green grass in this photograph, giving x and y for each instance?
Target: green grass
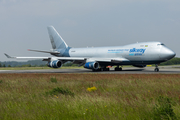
(126, 97)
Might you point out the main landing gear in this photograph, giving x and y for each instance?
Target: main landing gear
(156, 69)
(104, 69)
(118, 68)
(101, 69)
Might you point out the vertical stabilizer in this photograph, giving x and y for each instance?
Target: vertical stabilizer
(56, 40)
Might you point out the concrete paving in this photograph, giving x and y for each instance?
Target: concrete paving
(126, 70)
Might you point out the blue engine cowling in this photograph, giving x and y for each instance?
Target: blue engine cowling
(92, 65)
(141, 66)
(55, 64)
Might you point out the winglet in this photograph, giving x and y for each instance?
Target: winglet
(8, 55)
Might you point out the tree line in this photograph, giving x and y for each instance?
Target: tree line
(174, 61)
(30, 63)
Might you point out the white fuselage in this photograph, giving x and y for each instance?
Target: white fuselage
(146, 51)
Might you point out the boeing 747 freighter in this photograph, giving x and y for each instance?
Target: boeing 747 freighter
(98, 58)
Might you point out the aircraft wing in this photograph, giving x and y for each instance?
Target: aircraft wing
(108, 59)
(47, 58)
(8, 56)
(78, 60)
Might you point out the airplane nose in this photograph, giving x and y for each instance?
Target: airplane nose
(171, 54)
(167, 53)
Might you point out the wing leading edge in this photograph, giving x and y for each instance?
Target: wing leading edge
(71, 58)
(46, 58)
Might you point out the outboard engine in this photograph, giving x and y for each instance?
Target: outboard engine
(141, 66)
(92, 65)
(55, 64)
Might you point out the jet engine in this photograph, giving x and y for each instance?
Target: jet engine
(55, 64)
(141, 66)
(92, 65)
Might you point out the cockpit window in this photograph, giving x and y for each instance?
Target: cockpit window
(160, 44)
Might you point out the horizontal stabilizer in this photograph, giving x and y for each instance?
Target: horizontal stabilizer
(51, 52)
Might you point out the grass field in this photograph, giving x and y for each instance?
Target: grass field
(89, 96)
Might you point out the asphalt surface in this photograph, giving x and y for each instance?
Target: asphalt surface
(126, 70)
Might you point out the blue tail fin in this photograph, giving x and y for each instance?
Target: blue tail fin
(56, 40)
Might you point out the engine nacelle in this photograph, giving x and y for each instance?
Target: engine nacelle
(141, 66)
(92, 65)
(55, 64)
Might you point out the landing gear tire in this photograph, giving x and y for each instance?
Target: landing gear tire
(105, 69)
(94, 70)
(156, 69)
(100, 69)
(118, 69)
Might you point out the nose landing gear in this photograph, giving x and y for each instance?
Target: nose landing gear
(156, 69)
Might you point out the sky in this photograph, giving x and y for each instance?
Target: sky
(82, 23)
